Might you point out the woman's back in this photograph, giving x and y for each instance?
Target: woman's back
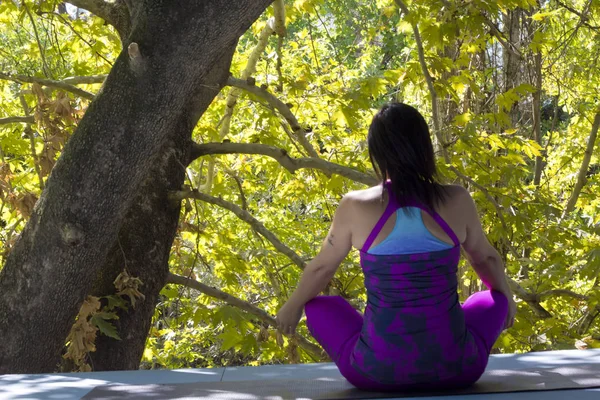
(413, 313)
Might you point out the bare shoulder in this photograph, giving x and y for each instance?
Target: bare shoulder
(365, 195)
(360, 201)
(458, 199)
(456, 193)
(361, 198)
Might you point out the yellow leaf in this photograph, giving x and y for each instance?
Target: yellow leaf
(405, 27)
(147, 355)
(463, 119)
(389, 11)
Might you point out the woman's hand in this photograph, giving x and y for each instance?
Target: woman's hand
(512, 311)
(288, 317)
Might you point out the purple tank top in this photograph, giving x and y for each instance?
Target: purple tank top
(414, 328)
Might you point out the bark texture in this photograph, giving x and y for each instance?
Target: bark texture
(146, 237)
(152, 87)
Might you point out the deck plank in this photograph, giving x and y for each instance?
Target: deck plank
(75, 385)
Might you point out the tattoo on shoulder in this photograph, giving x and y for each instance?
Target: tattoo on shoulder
(330, 239)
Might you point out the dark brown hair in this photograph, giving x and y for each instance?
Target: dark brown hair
(400, 148)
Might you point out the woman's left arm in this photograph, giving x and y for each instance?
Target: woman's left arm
(320, 270)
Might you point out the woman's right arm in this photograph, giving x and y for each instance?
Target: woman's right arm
(484, 258)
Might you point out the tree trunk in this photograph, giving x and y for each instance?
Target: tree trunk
(63, 248)
(144, 243)
(512, 66)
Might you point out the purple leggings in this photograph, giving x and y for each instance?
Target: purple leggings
(337, 327)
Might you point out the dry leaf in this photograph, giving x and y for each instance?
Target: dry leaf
(127, 285)
(292, 351)
(23, 203)
(37, 89)
(263, 334)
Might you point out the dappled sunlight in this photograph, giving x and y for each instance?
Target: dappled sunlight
(545, 371)
(543, 359)
(45, 386)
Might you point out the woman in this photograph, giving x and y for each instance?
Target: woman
(414, 333)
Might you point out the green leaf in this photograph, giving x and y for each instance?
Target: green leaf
(229, 339)
(105, 327)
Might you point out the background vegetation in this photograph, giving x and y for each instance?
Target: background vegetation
(510, 88)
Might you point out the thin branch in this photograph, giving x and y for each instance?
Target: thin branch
(563, 292)
(584, 18)
(66, 22)
(583, 169)
(428, 78)
(29, 132)
(565, 44)
(537, 118)
(244, 216)
(50, 83)
(114, 13)
(283, 158)
(243, 305)
(17, 120)
(238, 182)
(39, 43)
(501, 39)
(279, 106)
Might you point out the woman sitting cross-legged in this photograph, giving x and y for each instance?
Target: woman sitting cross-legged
(414, 333)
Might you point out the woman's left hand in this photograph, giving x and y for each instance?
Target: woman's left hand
(288, 317)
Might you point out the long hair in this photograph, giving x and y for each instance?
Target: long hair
(400, 149)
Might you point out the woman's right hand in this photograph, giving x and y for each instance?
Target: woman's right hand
(512, 311)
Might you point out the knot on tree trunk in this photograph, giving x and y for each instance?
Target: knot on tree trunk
(136, 61)
(72, 234)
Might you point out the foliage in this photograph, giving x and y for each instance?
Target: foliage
(340, 60)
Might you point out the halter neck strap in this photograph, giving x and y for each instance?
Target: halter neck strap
(393, 206)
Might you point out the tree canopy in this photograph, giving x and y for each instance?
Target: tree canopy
(510, 91)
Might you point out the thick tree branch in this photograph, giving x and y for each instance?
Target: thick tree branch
(279, 106)
(244, 216)
(279, 15)
(234, 93)
(84, 80)
(280, 30)
(17, 120)
(115, 13)
(50, 83)
(532, 300)
(243, 305)
(581, 176)
(283, 158)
